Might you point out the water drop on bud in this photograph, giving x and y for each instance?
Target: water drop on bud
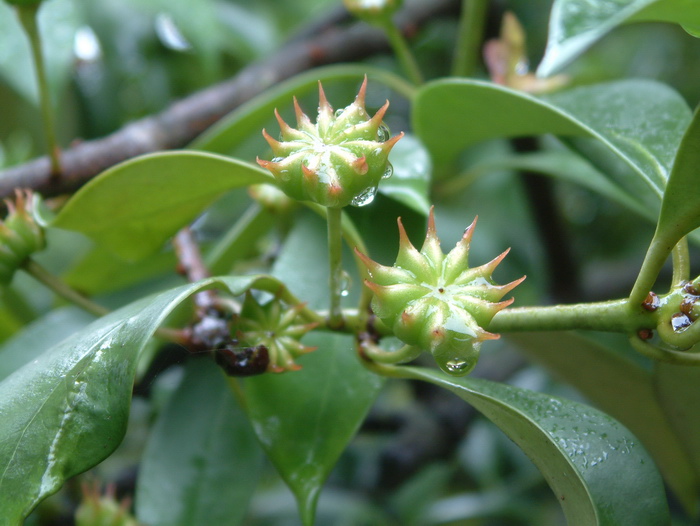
(388, 172)
(365, 198)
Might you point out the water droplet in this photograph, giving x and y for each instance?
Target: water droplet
(277, 159)
(339, 112)
(388, 171)
(680, 322)
(365, 198)
(522, 67)
(345, 283)
(457, 366)
(383, 133)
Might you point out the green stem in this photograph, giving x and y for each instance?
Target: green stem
(656, 256)
(610, 316)
(66, 292)
(28, 18)
(377, 354)
(54, 283)
(402, 51)
(664, 355)
(471, 31)
(354, 240)
(681, 263)
(335, 259)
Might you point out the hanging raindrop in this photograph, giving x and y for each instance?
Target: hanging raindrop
(457, 366)
(388, 171)
(365, 197)
(383, 133)
(345, 283)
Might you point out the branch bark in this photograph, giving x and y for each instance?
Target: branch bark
(184, 120)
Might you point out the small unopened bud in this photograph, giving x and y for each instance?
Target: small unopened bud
(20, 235)
(335, 162)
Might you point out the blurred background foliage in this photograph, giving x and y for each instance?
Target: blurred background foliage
(113, 61)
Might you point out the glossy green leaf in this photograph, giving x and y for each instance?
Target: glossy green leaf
(305, 419)
(575, 25)
(598, 470)
(561, 164)
(680, 209)
(677, 390)
(201, 462)
(608, 378)
(67, 411)
(39, 336)
(450, 115)
(135, 206)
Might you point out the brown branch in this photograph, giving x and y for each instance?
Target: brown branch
(184, 120)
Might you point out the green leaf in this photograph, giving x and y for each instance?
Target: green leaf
(201, 463)
(66, 412)
(677, 390)
(450, 115)
(58, 22)
(305, 419)
(680, 209)
(598, 470)
(410, 182)
(134, 207)
(561, 164)
(40, 335)
(608, 379)
(575, 25)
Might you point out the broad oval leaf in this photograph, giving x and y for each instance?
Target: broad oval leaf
(66, 411)
(450, 115)
(305, 419)
(201, 462)
(598, 470)
(135, 206)
(680, 209)
(575, 25)
(607, 377)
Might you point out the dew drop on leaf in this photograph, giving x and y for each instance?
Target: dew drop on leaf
(339, 112)
(365, 198)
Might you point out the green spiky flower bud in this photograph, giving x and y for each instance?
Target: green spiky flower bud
(20, 235)
(435, 301)
(337, 161)
(276, 327)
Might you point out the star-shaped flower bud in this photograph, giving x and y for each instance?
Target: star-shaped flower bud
(20, 235)
(337, 161)
(434, 301)
(276, 327)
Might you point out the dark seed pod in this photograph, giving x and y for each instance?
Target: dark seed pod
(243, 361)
